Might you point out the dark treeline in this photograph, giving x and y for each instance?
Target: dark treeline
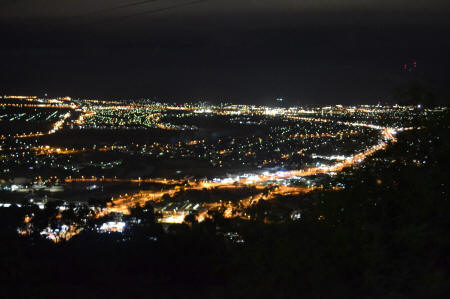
(386, 235)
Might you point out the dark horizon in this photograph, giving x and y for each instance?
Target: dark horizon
(237, 52)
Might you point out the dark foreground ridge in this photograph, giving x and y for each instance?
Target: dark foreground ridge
(384, 236)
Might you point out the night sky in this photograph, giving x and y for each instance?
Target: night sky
(307, 52)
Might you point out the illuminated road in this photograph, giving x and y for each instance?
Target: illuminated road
(55, 127)
(124, 202)
(259, 181)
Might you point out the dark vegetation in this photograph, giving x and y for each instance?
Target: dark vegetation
(386, 235)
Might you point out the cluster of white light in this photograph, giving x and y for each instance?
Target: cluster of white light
(113, 226)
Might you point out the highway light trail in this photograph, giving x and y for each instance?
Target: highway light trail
(124, 203)
(305, 143)
(55, 128)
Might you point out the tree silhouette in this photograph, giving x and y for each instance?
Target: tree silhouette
(191, 218)
(143, 221)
